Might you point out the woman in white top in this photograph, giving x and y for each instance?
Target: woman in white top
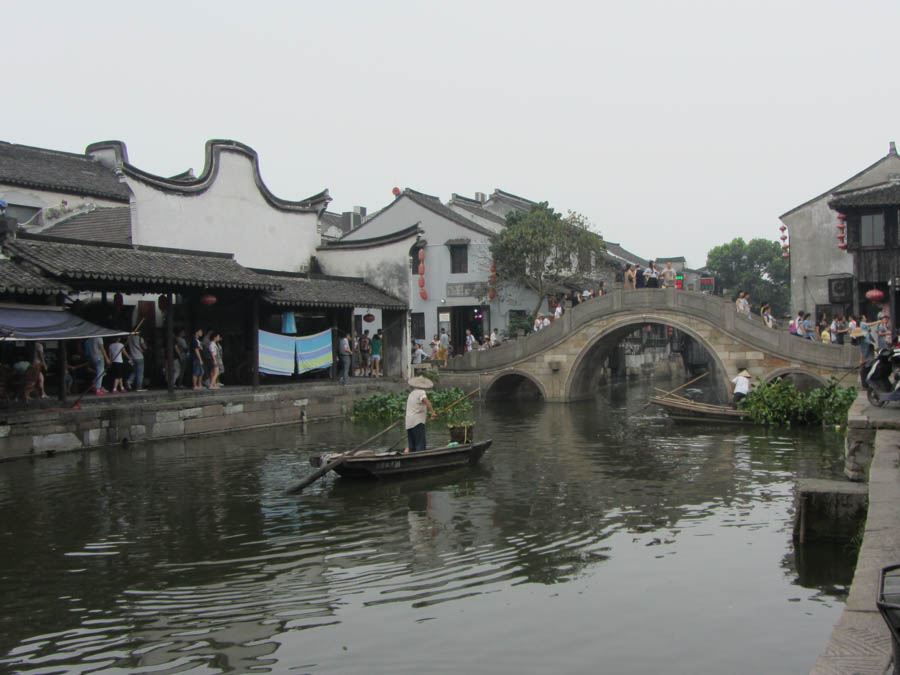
(117, 354)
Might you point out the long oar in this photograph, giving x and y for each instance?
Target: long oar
(321, 471)
(699, 377)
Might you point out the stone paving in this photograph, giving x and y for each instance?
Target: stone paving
(861, 642)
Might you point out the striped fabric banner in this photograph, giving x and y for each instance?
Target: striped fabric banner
(276, 353)
(314, 351)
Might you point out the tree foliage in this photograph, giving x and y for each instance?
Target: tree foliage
(756, 267)
(544, 250)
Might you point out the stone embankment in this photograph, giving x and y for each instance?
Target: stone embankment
(135, 417)
(861, 642)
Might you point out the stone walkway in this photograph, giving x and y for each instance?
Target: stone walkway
(861, 642)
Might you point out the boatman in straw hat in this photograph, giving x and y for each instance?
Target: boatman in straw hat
(740, 386)
(417, 405)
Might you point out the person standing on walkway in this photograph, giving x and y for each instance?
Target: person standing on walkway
(377, 344)
(651, 275)
(417, 404)
(99, 359)
(365, 354)
(629, 278)
(668, 276)
(197, 359)
(136, 349)
(117, 355)
(345, 352)
(443, 346)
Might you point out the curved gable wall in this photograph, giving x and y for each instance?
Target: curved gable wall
(230, 216)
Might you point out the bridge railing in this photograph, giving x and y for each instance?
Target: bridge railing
(712, 309)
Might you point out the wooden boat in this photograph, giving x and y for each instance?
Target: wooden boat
(682, 409)
(374, 464)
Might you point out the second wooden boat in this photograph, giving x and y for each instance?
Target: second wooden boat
(684, 410)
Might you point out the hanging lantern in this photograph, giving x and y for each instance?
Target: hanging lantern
(493, 278)
(875, 296)
(783, 228)
(421, 282)
(841, 226)
(423, 294)
(842, 236)
(118, 300)
(368, 317)
(208, 300)
(421, 255)
(785, 247)
(421, 269)
(493, 268)
(785, 255)
(163, 302)
(783, 237)
(492, 293)
(842, 217)
(842, 246)
(396, 192)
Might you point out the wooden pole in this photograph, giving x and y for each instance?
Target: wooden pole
(700, 377)
(254, 340)
(170, 345)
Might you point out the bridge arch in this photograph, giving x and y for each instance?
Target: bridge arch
(578, 384)
(803, 379)
(514, 384)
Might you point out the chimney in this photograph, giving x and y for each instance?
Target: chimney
(893, 149)
(350, 220)
(480, 197)
(8, 227)
(361, 212)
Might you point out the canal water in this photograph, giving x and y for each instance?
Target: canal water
(593, 538)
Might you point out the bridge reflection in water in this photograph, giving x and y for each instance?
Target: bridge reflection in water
(587, 536)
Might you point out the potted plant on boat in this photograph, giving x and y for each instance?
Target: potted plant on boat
(460, 425)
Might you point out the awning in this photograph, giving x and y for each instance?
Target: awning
(31, 323)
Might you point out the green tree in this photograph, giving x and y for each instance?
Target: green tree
(756, 267)
(544, 250)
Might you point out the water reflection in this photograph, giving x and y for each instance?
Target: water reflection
(187, 556)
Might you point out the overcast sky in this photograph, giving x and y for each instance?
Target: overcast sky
(674, 125)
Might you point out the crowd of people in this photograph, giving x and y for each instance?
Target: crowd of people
(360, 355)
(650, 276)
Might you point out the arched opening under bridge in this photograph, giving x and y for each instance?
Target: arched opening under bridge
(652, 346)
(514, 386)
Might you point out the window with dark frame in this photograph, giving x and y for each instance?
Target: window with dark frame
(871, 229)
(459, 259)
(417, 325)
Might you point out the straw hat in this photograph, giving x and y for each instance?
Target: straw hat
(744, 373)
(420, 382)
(857, 332)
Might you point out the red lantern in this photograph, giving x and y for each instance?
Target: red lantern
(842, 236)
(785, 247)
(783, 237)
(118, 300)
(421, 282)
(163, 302)
(785, 255)
(493, 278)
(783, 228)
(368, 318)
(841, 216)
(421, 269)
(875, 296)
(396, 192)
(492, 293)
(421, 255)
(423, 294)
(842, 246)
(841, 226)
(208, 300)
(493, 268)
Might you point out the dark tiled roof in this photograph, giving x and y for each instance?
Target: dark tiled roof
(674, 260)
(325, 291)
(328, 219)
(509, 197)
(382, 240)
(111, 225)
(882, 194)
(434, 205)
(145, 267)
(475, 207)
(14, 278)
(617, 251)
(59, 171)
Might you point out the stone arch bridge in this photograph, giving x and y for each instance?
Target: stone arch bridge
(564, 360)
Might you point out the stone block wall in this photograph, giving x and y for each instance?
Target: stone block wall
(135, 418)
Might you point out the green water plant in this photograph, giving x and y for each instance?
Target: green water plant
(778, 403)
(387, 408)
